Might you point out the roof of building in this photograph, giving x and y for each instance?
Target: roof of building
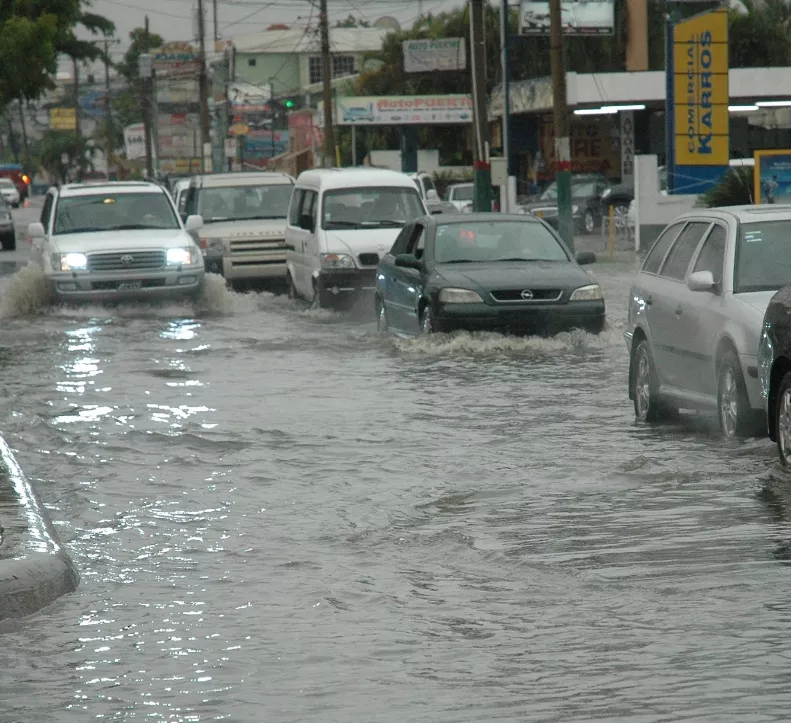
(299, 41)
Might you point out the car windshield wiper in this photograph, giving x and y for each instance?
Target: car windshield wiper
(261, 218)
(460, 261)
(137, 227)
(384, 222)
(343, 224)
(84, 229)
(517, 258)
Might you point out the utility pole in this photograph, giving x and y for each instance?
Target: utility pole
(77, 129)
(215, 24)
(505, 89)
(326, 79)
(205, 123)
(482, 189)
(146, 72)
(108, 120)
(562, 144)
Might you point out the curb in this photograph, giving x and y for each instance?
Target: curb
(35, 568)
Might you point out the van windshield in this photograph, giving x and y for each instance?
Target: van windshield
(370, 207)
(241, 203)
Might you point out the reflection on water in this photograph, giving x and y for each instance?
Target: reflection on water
(280, 514)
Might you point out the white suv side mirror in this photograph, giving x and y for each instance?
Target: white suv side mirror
(701, 281)
(193, 223)
(432, 195)
(36, 230)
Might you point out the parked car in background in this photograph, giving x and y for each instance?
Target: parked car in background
(428, 192)
(244, 222)
(460, 195)
(115, 241)
(16, 173)
(695, 314)
(178, 191)
(340, 223)
(9, 192)
(591, 195)
(482, 272)
(7, 232)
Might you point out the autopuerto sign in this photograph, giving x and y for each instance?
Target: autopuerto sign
(401, 110)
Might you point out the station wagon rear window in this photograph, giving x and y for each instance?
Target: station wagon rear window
(763, 256)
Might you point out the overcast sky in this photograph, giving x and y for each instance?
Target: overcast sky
(173, 19)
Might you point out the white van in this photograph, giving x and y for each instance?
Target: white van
(341, 221)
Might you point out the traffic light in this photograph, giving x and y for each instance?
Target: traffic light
(288, 103)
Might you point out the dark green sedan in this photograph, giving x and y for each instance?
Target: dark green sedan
(485, 272)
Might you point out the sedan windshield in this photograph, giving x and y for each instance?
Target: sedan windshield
(241, 203)
(763, 261)
(492, 241)
(7, 183)
(370, 207)
(114, 212)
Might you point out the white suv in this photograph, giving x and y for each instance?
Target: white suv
(696, 310)
(116, 241)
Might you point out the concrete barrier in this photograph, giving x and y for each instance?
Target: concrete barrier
(35, 568)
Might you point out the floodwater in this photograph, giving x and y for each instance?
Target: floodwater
(280, 515)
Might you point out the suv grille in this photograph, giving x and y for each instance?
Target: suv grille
(369, 259)
(538, 295)
(256, 245)
(126, 261)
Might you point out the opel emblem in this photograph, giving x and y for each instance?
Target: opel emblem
(127, 259)
(527, 294)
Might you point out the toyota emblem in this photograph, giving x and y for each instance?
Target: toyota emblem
(527, 294)
(126, 260)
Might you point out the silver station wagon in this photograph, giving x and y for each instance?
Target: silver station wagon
(695, 313)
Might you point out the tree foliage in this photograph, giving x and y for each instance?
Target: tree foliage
(735, 189)
(53, 145)
(760, 36)
(352, 22)
(126, 105)
(32, 35)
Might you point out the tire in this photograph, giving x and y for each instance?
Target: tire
(428, 324)
(782, 412)
(588, 223)
(621, 214)
(320, 300)
(647, 407)
(293, 294)
(381, 317)
(9, 242)
(736, 418)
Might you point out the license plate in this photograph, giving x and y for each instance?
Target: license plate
(129, 285)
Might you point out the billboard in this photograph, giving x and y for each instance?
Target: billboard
(772, 176)
(698, 102)
(401, 110)
(63, 119)
(578, 17)
(177, 59)
(421, 56)
(135, 142)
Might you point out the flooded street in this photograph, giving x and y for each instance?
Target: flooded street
(280, 515)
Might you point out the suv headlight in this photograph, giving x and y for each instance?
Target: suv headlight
(211, 245)
(587, 293)
(459, 296)
(337, 261)
(183, 256)
(69, 262)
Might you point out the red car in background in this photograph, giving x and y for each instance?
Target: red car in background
(16, 173)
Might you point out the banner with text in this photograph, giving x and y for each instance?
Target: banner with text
(578, 17)
(401, 110)
(698, 102)
(421, 56)
(135, 141)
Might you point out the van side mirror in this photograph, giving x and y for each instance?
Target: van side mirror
(36, 230)
(306, 222)
(701, 281)
(193, 223)
(432, 195)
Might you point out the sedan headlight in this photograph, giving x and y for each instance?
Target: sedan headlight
(70, 262)
(337, 261)
(575, 210)
(587, 293)
(459, 296)
(183, 256)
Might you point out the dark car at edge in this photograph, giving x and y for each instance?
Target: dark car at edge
(485, 272)
(774, 371)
